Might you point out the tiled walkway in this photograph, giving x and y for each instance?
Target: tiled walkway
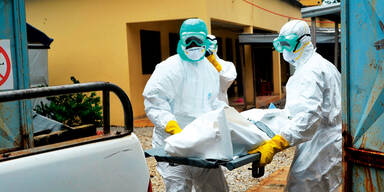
(273, 183)
(142, 122)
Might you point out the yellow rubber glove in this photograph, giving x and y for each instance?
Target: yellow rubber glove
(270, 148)
(214, 62)
(172, 127)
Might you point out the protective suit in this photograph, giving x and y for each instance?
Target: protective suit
(314, 102)
(227, 70)
(181, 88)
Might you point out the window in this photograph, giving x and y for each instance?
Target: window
(173, 40)
(150, 50)
(229, 49)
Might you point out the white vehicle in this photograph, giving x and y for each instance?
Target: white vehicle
(111, 162)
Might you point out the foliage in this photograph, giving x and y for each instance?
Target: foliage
(73, 109)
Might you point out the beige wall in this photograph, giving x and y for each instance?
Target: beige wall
(87, 44)
(97, 40)
(242, 13)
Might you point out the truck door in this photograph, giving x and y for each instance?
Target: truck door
(363, 95)
(15, 119)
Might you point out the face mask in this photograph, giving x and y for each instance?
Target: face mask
(195, 53)
(292, 57)
(289, 57)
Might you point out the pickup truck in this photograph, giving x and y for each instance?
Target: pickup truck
(113, 161)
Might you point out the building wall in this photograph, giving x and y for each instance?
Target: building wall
(97, 40)
(87, 44)
(242, 13)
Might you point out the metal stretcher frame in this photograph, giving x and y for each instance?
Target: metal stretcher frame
(161, 156)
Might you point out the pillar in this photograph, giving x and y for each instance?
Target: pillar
(313, 31)
(247, 69)
(276, 73)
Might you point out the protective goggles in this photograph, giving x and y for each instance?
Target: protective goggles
(289, 42)
(198, 38)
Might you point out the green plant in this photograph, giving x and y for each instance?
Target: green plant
(73, 109)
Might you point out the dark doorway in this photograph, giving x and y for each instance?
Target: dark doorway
(327, 50)
(238, 83)
(150, 50)
(173, 40)
(262, 61)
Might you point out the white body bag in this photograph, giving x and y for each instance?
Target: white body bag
(221, 134)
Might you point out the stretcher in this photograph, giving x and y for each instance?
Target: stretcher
(257, 171)
(161, 156)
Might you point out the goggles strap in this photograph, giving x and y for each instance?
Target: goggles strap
(302, 50)
(211, 39)
(298, 41)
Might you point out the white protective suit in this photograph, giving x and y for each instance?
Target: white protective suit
(181, 91)
(314, 102)
(227, 74)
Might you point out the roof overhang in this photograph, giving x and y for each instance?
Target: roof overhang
(321, 37)
(37, 39)
(331, 12)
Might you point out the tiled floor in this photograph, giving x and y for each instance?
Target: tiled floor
(142, 122)
(273, 183)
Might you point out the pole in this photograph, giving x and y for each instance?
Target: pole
(336, 61)
(313, 31)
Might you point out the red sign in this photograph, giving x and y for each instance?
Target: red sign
(5, 76)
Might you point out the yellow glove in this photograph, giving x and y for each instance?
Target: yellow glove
(172, 127)
(270, 148)
(214, 62)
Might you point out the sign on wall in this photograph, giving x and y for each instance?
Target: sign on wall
(6, 74)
